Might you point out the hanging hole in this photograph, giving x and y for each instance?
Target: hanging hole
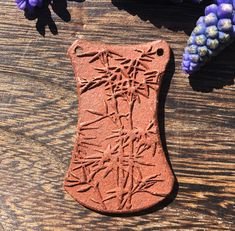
(160, 52)
(78, 50)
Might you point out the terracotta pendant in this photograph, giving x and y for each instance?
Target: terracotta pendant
(118, 164)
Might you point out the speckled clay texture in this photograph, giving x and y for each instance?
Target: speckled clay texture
(118, 164)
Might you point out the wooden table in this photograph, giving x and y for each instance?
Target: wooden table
(38, 115)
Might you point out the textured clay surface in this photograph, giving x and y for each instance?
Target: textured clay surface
(118, 164)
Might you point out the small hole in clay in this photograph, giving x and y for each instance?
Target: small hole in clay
(78, 50)
(160, 52)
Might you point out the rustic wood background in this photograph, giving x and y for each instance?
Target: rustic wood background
(38, 115)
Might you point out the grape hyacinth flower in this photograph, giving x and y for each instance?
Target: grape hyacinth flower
(28, 5)
(212, 33)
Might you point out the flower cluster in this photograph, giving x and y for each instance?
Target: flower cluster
(213, 32)
(28, 5)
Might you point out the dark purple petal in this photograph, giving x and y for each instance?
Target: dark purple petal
(33, 2)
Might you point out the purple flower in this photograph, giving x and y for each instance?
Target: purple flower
(28, 4)
(213, 32)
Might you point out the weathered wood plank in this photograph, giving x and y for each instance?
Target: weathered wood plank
(38, 118)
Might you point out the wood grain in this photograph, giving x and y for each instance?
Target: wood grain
(38, 118)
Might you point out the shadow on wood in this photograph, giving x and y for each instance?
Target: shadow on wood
(176, 17)
(162, 13)
(218, 73)
(44, 17)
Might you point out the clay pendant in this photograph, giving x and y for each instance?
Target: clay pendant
(118, 164)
